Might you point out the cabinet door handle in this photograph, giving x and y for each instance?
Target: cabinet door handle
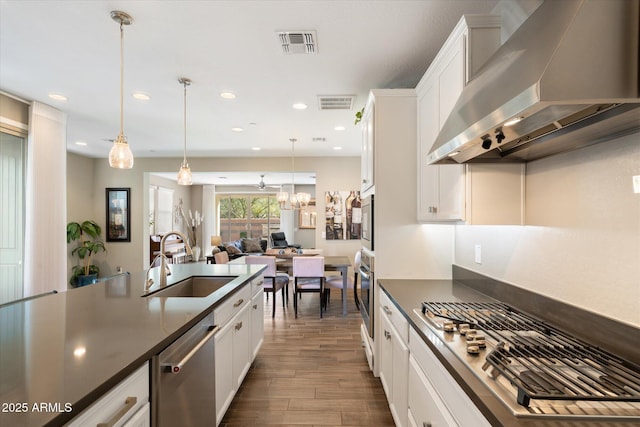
(433, 209)
(387, 335)
(129, 403)
(175, 368)
(387, 310)
(238, 326)
(239, 303)
(426, 424)
(364, 181)
(255, 306)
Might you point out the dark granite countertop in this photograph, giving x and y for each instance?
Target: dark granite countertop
(72, 347)
(407, 295)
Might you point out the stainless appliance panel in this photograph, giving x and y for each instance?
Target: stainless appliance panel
(184, 376)
(367, 283)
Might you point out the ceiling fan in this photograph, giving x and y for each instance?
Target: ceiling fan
(262, 186)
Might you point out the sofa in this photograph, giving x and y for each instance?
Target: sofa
(242, 247)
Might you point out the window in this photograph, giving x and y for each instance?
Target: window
(160, 210)
(247, 215)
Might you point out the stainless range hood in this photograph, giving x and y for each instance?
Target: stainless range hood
(569, 74)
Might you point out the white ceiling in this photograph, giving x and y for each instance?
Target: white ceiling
(72, 48)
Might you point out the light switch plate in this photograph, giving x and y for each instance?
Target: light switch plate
(478, 256)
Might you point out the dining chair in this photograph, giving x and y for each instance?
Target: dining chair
(273, 281)
(336, 282)
(221, 257)
(308, 276)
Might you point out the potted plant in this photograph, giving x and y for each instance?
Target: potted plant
(87, 234)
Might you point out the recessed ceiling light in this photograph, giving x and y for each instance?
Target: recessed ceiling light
(300, 106)
(227, 95)
(337, 148)
(57, 96)
(256, 148)
(141, 96)
(237, 129)
(81, 143)
(339, 128)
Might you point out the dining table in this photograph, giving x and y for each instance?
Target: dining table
(331, 263)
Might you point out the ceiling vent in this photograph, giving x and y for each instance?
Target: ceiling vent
(336, 102)
(294, 42)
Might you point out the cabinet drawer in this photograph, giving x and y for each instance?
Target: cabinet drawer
(454, 398)
(232, 306)
(395, 317)
(256, 285)
(120, 404)
(425, 407)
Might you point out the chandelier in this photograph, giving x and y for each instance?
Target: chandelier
(296, 200)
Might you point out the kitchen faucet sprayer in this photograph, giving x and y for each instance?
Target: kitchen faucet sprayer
(165, 270)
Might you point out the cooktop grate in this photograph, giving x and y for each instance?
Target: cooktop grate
(540, 361)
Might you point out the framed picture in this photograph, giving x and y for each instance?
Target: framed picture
(118, 215)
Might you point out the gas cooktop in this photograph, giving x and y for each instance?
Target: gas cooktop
(535, 369)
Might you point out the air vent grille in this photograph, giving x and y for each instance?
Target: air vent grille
(296, 42)
(336, 102)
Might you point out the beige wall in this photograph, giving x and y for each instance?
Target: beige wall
(581, 243)
(331, 173)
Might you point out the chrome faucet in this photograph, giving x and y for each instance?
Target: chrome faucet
(165, 270)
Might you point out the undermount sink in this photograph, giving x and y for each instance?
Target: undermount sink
(197, 287)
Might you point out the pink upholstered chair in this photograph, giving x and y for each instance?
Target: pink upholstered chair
(308, 276)
(273, 281)
(221, 257)
(336, 282)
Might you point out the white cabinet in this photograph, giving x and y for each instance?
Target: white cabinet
(388, 129)
(125, 405)
(394, 358)
(368, 152)
(443, 190)
(234, 345)
(257, 322)
(434, 398)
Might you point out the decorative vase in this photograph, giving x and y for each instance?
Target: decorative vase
(196, 253)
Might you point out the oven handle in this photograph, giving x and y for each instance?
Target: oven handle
(175, 368)
(364, 272)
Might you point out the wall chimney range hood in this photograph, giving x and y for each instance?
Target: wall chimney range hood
(567, 78)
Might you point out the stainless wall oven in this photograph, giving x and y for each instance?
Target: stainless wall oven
(367, 281)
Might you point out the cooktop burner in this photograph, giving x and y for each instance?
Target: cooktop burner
(533, 368)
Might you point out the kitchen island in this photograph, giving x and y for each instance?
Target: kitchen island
(406, 296)
(60, 353)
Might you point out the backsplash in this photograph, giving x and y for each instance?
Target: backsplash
(581, 244)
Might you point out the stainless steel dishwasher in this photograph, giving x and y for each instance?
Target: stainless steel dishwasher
(184, 388)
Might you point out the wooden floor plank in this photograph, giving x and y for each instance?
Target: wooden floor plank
(310, 372)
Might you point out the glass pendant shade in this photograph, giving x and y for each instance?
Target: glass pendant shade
(282, 197)
(120, 156)
(184, 175)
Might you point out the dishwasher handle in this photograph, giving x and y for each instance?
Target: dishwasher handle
(175, 368)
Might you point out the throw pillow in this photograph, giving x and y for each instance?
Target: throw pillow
(232, 250)
(251, 245)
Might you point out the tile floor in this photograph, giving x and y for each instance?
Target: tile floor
(310, 372)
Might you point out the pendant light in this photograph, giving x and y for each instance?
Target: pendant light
(120, 155)
(184, 175)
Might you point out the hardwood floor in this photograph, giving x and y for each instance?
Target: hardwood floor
(310, 372)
